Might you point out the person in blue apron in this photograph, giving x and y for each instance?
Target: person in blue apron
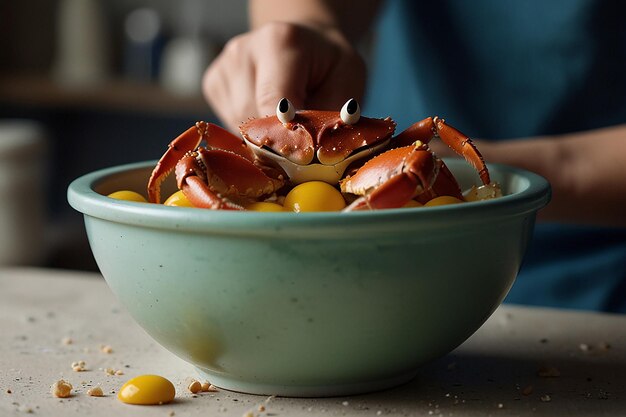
(540, 84)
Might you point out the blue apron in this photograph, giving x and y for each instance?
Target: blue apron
(508, 69)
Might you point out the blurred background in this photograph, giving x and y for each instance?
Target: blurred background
(87, 84)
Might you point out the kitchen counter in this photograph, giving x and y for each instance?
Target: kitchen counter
(523, 361)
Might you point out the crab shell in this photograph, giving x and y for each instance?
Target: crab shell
(316, 145)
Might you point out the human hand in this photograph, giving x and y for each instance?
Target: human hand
(314, 68)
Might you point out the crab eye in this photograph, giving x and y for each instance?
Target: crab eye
(350, 112)
(285, 111)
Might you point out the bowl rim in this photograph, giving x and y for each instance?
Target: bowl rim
(82, 197)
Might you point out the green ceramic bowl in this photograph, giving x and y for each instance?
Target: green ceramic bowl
(309, 304)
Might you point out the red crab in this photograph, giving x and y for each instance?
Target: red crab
(279, 151)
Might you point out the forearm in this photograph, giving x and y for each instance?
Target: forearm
(351, 17)
(587, 171)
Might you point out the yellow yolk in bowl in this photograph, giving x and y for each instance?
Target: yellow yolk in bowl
(413, 203)
(178, 199)
(314, 196)
(128, 196)
(147, 390)
(442, 201)
(264, 206)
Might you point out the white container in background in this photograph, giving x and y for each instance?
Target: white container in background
(183, 64)
(82, 54)
(187, 55)
(23, 150)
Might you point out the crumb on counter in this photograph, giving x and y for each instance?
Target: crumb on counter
(106, 349)
(95, 392)
(208, 387)
(194, 386)
(67, 341)
(111, 371)
(262, 408)
(61, 389)
(78, 366)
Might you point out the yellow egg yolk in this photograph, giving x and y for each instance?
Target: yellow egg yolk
(314, 196)
(264, 206)
(128, 196)
(147, 390)
(413, 203)
(178, 199)
(442, 201)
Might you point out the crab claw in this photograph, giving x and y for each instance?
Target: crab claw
(192, 180)
(393, 178)
(186, 142)
(222, 180)
(189, 141)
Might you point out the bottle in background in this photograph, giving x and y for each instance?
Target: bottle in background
(82, 49)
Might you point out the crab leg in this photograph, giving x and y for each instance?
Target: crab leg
(221, 180)
(219, 138)
(445, 184)
(197, 190)
(432, 127)
(188, 141)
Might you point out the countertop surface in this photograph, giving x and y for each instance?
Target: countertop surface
(523, 361)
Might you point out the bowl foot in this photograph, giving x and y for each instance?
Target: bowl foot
(329, 390)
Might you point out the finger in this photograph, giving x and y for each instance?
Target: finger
(283, 55)
(228, 85)
(279, 75)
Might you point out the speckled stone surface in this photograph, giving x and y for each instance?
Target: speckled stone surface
(523, 361)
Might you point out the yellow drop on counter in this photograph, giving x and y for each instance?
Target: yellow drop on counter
(147, 390)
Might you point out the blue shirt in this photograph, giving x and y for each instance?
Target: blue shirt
(508, 69)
